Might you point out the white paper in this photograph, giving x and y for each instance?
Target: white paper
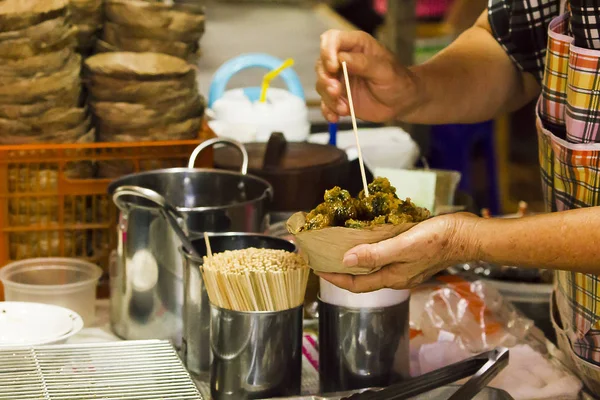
(418, 185)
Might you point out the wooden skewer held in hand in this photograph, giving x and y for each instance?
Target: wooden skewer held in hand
(355, 128)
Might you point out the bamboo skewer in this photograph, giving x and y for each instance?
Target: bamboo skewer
(208, 249)
(355, 128)
(255, 279)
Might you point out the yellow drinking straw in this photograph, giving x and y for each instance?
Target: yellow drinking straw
(272, 75)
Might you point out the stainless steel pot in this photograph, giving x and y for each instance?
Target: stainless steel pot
(146, 277)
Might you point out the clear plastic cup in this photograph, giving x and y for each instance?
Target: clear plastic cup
(64, 282)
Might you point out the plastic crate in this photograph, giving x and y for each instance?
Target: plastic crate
(52, 204)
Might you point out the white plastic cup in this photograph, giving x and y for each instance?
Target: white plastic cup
(64, 282)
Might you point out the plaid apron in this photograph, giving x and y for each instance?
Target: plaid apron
(568, 125)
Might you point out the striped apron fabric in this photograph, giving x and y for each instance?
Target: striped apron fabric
(568, 126)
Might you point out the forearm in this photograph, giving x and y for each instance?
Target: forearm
(567, 240)
(472, 80)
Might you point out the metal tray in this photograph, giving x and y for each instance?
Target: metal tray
(144, 370)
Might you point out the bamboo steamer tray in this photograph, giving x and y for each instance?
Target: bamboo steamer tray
(10, 79)
(55, 119)
(28, 91)
(132, 31)
(132, 116)
(187, 129)
(324, 249)
(70, 97)
(73, 135)
(140, 66)
(124, 43)
(60, 118)
(20, 14)
(153, 15)
(25, 47)
(143, 92)
(48, 31)
(144, 88)
(42, 64)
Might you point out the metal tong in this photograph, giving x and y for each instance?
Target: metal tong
(482, 368)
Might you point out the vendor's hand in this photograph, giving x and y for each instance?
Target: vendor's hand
(412, 257)
(382, 89)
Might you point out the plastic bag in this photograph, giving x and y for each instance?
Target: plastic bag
(472, 314)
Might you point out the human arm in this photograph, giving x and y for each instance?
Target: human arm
(568, 240)
(472, 80)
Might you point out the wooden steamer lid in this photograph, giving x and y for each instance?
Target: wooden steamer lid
(300, 172)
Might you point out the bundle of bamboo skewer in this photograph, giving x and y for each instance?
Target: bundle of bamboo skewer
(255, 279)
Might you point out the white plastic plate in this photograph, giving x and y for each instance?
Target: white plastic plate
(30, 324)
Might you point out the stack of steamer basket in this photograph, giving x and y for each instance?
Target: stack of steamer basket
(144, 26)
(87, 17)
(138, 97)
(40, 103)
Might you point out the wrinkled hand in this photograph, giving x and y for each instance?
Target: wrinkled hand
(412, 257)
(381, 88)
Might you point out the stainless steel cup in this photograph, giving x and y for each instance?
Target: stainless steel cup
(256, 355)
(362, 347)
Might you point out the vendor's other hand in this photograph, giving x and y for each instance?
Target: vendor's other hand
(382, 89)
(412, 257)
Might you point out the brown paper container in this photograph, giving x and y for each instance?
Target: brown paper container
(324, 249)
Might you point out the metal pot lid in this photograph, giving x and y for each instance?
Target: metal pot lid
(278, 155)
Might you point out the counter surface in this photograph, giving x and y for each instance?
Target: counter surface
(520, 359)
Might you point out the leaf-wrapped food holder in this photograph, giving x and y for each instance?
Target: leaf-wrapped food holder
(42, 64)
(324, 248)
(154, 15)
(141, 66)
(20, 14)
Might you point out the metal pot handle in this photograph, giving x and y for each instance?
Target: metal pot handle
(173, 217)
(211, 142)
(147, 194)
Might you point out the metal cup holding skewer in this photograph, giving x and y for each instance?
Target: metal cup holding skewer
(249, 354)
(256, 355)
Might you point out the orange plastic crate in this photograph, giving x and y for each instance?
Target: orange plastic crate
(46, 211)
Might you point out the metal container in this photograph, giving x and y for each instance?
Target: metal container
(445, 392)
(442, 393)
(146, 274)
(300, 172)
(196, 351)
(256, 355)
(362, 347)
